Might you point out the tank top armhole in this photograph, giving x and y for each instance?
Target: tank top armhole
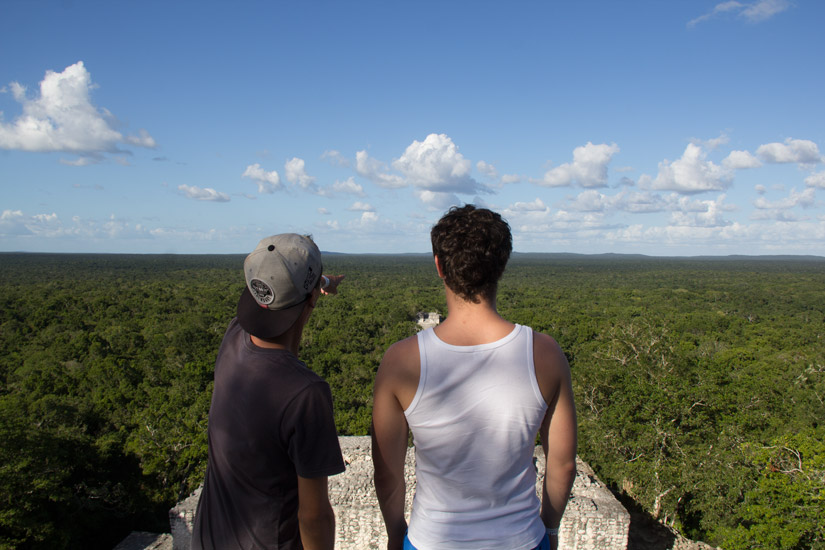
(531, 367)
(422, 377)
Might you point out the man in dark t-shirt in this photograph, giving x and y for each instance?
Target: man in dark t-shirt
(272, 439)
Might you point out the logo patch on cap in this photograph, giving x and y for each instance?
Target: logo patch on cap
(262, 292)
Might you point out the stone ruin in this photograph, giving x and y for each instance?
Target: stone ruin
(593, 519)
(427, 320)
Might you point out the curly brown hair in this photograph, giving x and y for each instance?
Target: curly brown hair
(473, 246)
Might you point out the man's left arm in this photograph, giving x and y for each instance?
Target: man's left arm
(316, 520)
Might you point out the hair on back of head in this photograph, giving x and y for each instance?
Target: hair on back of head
(473, 246)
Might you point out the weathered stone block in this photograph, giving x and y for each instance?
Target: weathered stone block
(594, 519)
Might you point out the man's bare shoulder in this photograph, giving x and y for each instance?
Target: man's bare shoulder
(552, 369)
(547, 348)
(398, 372)
(403, 352)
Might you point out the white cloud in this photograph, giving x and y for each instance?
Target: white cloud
(142, 140)
(436, 165)
(359, 206)
(323, 211)
(590, 201)
(739, 160)
(376, 171)
(63, 118)
(13, 222)
(336, 158)
(437, 201)
(202, 193)
(752, 12)
(805, 199)
(711, 144)
(535, 206)
(268, 182)
(295, 172)
(761, 189)
(690, 174)
(762, 10)
(707, 213)
(793, 150)
(816, 180)
(588, 169)
(367, 220)
(532, 224)
(487, 169)
(642, 202)
(346, 187)
(510, 178)
(83, 161)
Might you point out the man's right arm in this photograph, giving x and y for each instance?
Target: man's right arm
(559, 426)
(316, 519)
(396, 375)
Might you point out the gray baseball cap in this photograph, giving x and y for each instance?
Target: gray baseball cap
(280, 275)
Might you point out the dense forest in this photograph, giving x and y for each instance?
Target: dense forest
(700, 383)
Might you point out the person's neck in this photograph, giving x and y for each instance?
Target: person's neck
(471, 323)
(289, 341)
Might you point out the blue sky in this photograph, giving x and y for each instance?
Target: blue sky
(673, 128)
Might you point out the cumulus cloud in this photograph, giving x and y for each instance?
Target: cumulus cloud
(510, 178)
(268, 182)
(553, 224)
(295, 172)
(799, 151)
(708, 213)
(346, 187)
(752, 12)
(487, 169)
(711, 144)
(323, 211)
(534, 206)
(816, 180)
(437, 201)
(436, 165)
(690, 174)
(739, 160)
(590, 201)
(63, 119)
(376, 171)
(805, 199)
(202, 193)
(588, 169)
(640, 202)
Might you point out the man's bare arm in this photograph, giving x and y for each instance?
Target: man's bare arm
(389, 436)
(316, 520)
(558, 430)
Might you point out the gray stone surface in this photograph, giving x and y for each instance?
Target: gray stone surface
(146, 541)
(594, 519)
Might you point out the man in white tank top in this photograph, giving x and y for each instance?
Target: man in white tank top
(474, 391)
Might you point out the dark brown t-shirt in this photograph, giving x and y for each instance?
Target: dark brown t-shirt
(270, 422)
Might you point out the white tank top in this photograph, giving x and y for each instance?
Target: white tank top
(474, 419)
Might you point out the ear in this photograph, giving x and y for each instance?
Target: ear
(313, 297)
(438, 267)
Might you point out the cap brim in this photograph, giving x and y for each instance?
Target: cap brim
(265, 323)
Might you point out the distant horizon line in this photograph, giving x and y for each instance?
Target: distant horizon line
(595, 255)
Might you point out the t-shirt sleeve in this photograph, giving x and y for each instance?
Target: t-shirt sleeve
(313, 441)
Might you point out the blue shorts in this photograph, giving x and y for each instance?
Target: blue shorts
(545, 544)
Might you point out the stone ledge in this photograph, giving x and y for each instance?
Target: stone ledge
(594, 519)
(146, 541)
